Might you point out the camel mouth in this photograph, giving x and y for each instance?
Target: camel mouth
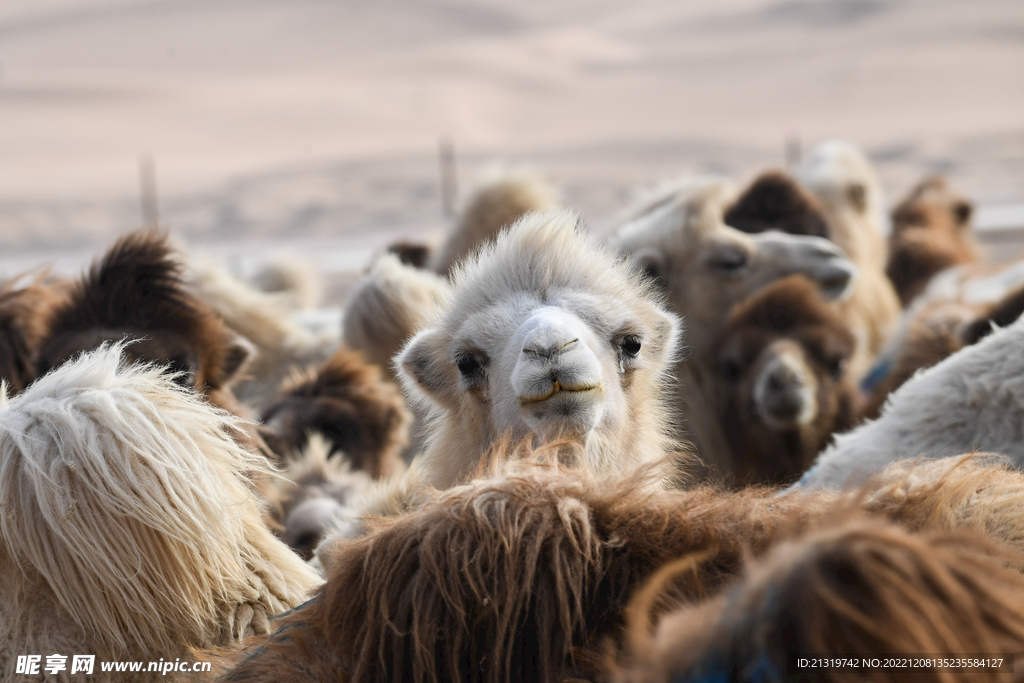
(558, 389)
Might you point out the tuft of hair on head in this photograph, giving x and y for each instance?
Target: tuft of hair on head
(126, 505)
(349, 402)
(501, 198)
(787, 304)
(853, 588)
(136, 290)
(388, 306)
(775, 201)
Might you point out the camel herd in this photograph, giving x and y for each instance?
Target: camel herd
(736, 428)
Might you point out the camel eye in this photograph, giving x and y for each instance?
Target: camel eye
(729, 261)
(631, 346)
(835, 367)
(730, 370)
(467, 365)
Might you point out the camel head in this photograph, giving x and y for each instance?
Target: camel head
(544, 333)
(781, 370)
(135, 292)
(706, 267)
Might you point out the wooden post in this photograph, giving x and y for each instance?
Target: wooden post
(449, 181)
(147, 186)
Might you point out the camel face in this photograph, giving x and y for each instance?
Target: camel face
(706, 266)
(784, 389)
(165, 348)
(543, 334)
(782, 367)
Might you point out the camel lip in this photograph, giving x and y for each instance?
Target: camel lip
(556, 389)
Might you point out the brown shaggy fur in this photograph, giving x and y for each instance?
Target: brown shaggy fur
(23, 315)
(774, 201)
(518, 576)
(936, 331)
(854, 589)
(931, 231)
(135, 291)
(352, 405)
(783, 380)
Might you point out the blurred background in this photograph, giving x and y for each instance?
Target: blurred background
(316, 126)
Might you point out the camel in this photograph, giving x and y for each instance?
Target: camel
(705, 267)
(524, 573)
(934, 331)
(136, 292)
(267, 321)
(843, 181)
(972, 400)
(782, 369)
(931, 231)
(359, 412)
(850, 591)
(774, 201)
(387, 306)
(294, 279)
(24, 311)
(499, 201)
(544, 333)
(129, 529)
(316, 493)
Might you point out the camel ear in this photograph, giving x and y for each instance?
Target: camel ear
(239, 352)
(422, 363)
(962, 211)
(667, 331)
(652, 262)
(857, 196)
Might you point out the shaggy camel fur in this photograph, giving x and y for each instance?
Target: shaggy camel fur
(931, 231)
(24, 311)
(128, 529)
(388, 306)
(848, 591)
(497, 203)
(523, 574)
(544, 333)
(267, 321)
(774, 201)
(705, 267)
(934, 331)
(845, 184)
(783, 380)
(972, 400)
(293, 277)
(316, 494)
(136, 292)
(347, 401)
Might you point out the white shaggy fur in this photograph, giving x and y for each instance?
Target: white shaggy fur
(264, 319)
(973, 400)
(538, 337)
(128, 526)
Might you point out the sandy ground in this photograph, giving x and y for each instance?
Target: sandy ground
(313, 125)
